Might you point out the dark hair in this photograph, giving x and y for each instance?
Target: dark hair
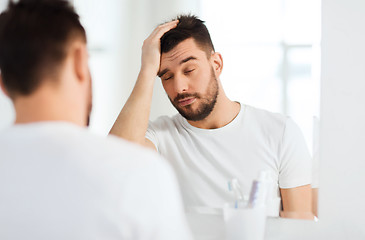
(34, 35)
(189, 26)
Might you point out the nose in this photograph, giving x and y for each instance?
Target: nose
(181, 83)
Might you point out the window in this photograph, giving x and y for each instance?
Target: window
(271, 54)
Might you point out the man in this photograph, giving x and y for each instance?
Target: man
(58, 181)
(212, 139)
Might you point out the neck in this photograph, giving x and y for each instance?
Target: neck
(47, 105)
(223, 113)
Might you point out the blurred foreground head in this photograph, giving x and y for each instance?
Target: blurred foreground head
(42, 43)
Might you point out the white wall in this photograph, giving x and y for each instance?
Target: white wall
(342, 154)
(7, 113)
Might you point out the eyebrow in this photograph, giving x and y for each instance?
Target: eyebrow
(187, 59)
(160, 74)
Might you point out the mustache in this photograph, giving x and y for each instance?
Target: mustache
(185, 95)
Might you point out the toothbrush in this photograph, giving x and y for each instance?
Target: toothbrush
(234, 186)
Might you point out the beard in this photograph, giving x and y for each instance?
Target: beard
(206, 101)
(89, 101)
(89, 114)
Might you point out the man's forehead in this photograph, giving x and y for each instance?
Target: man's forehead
(185, 49)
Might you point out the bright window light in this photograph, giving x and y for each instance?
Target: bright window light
(271, 54)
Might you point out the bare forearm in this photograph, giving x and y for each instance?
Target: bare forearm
(297, 202)
(132, 121)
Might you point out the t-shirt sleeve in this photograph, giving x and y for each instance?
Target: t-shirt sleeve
(152, 135)
(156, 207)
(295, 160)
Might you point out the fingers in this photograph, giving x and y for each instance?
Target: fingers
(151, 47)
(163, 28)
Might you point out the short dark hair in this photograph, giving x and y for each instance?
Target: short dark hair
(189, 26)
(34, 35)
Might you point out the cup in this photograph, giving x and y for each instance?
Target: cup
(244, 223)
(273, 207)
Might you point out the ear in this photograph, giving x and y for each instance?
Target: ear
(80, 56)
(217, 62)
(2, 86)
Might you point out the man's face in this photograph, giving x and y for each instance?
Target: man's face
(189, 80)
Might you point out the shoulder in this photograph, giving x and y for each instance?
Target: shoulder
(166, 122)
(108, 153)
(127, 160)
(266, 119)
(128, 153)
(78, 145)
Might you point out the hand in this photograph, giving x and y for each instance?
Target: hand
(151, 49)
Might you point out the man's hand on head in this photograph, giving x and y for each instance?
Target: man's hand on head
(151, 49)
(132, 122)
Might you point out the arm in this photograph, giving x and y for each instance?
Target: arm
(132, 122)
(295, 174)
(315, 201)
(297, 202)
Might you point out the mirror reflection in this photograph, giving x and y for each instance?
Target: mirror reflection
(231, 101)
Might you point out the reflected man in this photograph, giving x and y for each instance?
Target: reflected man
(212, 139)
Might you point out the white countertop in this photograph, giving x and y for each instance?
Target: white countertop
(211, 227)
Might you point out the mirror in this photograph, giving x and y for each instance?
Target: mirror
(271, 53)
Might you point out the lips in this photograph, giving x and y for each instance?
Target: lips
(186, 101)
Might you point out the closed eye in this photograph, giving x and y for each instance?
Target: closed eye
(189, 71)
(168, 78)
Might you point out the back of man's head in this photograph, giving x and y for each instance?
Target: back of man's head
(189, 26)
(34, 35)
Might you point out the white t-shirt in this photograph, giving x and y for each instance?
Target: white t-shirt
(205, 159)
(58, 181)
